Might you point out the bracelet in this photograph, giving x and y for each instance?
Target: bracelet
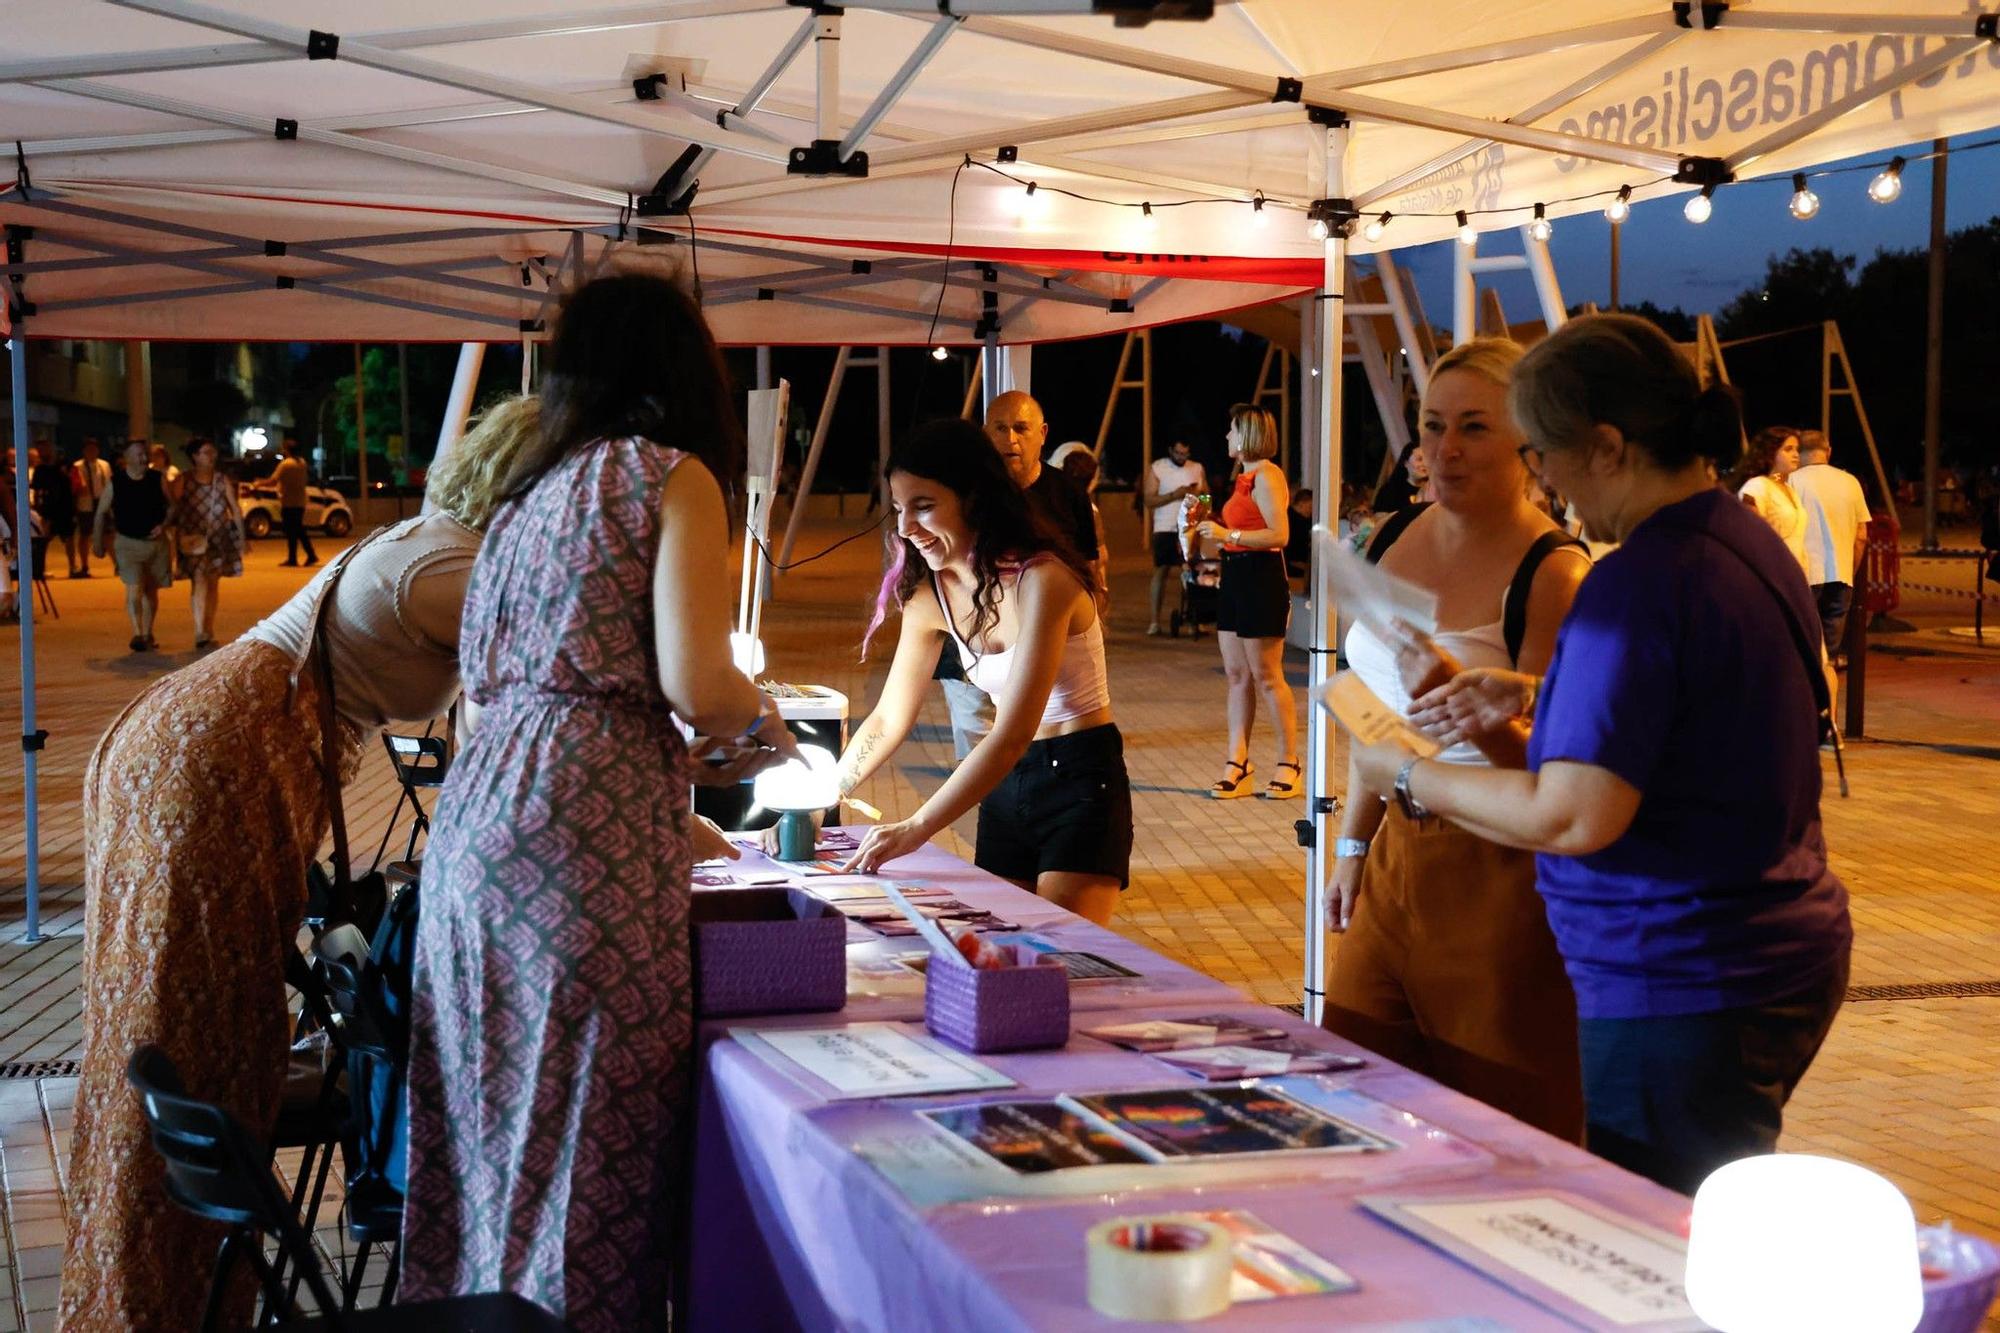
(1344, 848)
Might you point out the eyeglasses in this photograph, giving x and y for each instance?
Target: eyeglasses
(1531, 457)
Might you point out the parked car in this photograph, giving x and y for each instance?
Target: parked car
(325, 509)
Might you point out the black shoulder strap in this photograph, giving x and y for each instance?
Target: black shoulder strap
(1514, 606)
(1386, 535)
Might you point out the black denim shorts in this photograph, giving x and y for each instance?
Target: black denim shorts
(1066, 806)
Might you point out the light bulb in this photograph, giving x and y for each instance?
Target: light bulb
(1032, 204)
(1468, 236)
(1698, 207)
(1317, 229)
(1887, 187)
(1147, 222)
(1376, 226)
(1620, 208)
(939, 353)
(1258, 216)
(1804, 202)
(1540, 229)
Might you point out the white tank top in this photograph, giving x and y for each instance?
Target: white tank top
(1371, 659)
(1082, 686)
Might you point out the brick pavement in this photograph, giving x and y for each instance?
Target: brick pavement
(1905, 1085)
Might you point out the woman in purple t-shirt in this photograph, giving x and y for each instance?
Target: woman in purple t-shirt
(1673, 777)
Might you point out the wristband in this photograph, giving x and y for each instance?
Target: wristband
(1350, 847)
(751, 730)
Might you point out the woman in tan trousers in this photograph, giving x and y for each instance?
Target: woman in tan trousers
(1448, 965)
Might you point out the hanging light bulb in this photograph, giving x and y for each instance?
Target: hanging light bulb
(1804, 202)
(1376, 226)
(1700, 206)
(1033, 204)
(1258, 216)
(1887, 187)
(1620, 208)
(1468, 236)
(939, 353)
(1540, 228)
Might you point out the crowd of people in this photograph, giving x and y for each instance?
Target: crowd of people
(1604, 906)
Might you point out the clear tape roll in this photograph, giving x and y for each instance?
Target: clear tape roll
(1171, 1267)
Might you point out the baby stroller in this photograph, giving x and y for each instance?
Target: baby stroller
(1201, 572)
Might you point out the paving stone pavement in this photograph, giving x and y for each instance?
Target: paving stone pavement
(1905, 1085)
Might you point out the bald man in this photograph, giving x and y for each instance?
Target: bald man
(1020, 432)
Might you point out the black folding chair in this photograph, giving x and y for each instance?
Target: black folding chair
(216, 1169)
(421, 763)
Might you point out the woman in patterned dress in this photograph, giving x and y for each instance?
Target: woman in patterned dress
(202, 805)
(208, 530)
(552, 1014)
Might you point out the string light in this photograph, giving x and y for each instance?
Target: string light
(1468, 236)
(1258, 216)
(1804, 202)
(1540, 228)
(939, 353)
(1620, 208)
(1147, 222)
(1699, 207)
(1376, 226)
(1887, 187)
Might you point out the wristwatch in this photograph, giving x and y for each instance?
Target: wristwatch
(1412, 808)
(1236, 536)
(1346, 847)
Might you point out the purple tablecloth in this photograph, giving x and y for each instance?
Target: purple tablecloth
(792, 1229)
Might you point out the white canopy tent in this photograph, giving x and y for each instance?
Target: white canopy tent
(440, 169)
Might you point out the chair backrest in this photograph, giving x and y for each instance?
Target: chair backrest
(421, 761)
(218, 1170)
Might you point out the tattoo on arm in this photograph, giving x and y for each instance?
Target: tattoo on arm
(850, 776)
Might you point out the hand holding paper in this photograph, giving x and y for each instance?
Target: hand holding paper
(1368, 719)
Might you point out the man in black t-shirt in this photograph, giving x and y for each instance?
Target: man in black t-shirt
(1019, 430)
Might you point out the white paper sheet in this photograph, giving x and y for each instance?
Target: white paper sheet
(1371, 721)
(1370, 594)
(872, 1060)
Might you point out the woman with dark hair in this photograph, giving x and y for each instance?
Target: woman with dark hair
(1763, 481)
(208, 530)
(971, 564)
(1673, 774)
(552, 1015)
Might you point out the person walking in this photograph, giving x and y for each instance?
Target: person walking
(208, 533)
(1254, 604)
(90, 478)
(291, 478)
(202, 806)
(131, 522)
(1763, 482)
(1836, 533)
(552, 1019)
(1672, 786)
(54, 498)
(1170, 480)
(1447, 964)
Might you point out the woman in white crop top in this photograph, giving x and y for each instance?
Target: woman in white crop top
(1447, 964)
(201, 808)
(969, 562)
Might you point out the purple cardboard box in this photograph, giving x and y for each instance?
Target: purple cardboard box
(767, 951)
(997, 1009)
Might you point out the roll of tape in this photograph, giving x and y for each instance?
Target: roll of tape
(1169, 1267)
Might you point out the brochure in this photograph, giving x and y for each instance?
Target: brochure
(1372, 722)
(1034, 1136)
(1562, 1253)
(1082, 967)
(1283, 1056)
(1185, 1034)
(1231, 1119)
(870, 1060)
(723, 879)
(872, 893)
(1270, 1263)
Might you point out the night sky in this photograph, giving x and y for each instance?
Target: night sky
(1672, 262)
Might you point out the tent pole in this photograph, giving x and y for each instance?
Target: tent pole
(361, 503)
(880, 490)
(1543, 269)
(458, 406)
(1464, 294)
(1320, 824)
(805, 491)
(1933, 347)
(31, 739)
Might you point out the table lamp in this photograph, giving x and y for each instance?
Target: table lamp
(795, 789)
(747, 651)
(1792, 1241)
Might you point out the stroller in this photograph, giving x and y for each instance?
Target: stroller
(1201, 572)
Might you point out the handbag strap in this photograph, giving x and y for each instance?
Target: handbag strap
(321, 659)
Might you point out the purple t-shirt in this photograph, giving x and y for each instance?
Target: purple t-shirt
(1677, 671)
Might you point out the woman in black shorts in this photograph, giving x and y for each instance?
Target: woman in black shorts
(1254, 605)
(970, 563)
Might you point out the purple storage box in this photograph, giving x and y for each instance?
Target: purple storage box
(997, 1009)
(767, 951)
(1956, 1301)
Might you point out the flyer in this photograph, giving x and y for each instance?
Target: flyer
(1034, 1136)
(1270, 1263)
(1081, 967)
(1561, 1253)
(723, 879)
(1283, 1056)
(1368, 719)
(1184, 1034)
(1231, 1120)
(871, 1060)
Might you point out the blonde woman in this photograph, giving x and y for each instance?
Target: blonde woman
(202, 806)
(1254, 605)
(1448, 965)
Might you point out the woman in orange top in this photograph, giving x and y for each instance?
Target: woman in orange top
(1254, 604)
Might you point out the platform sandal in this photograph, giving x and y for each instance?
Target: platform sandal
(1281, 789)
(1228, 788)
